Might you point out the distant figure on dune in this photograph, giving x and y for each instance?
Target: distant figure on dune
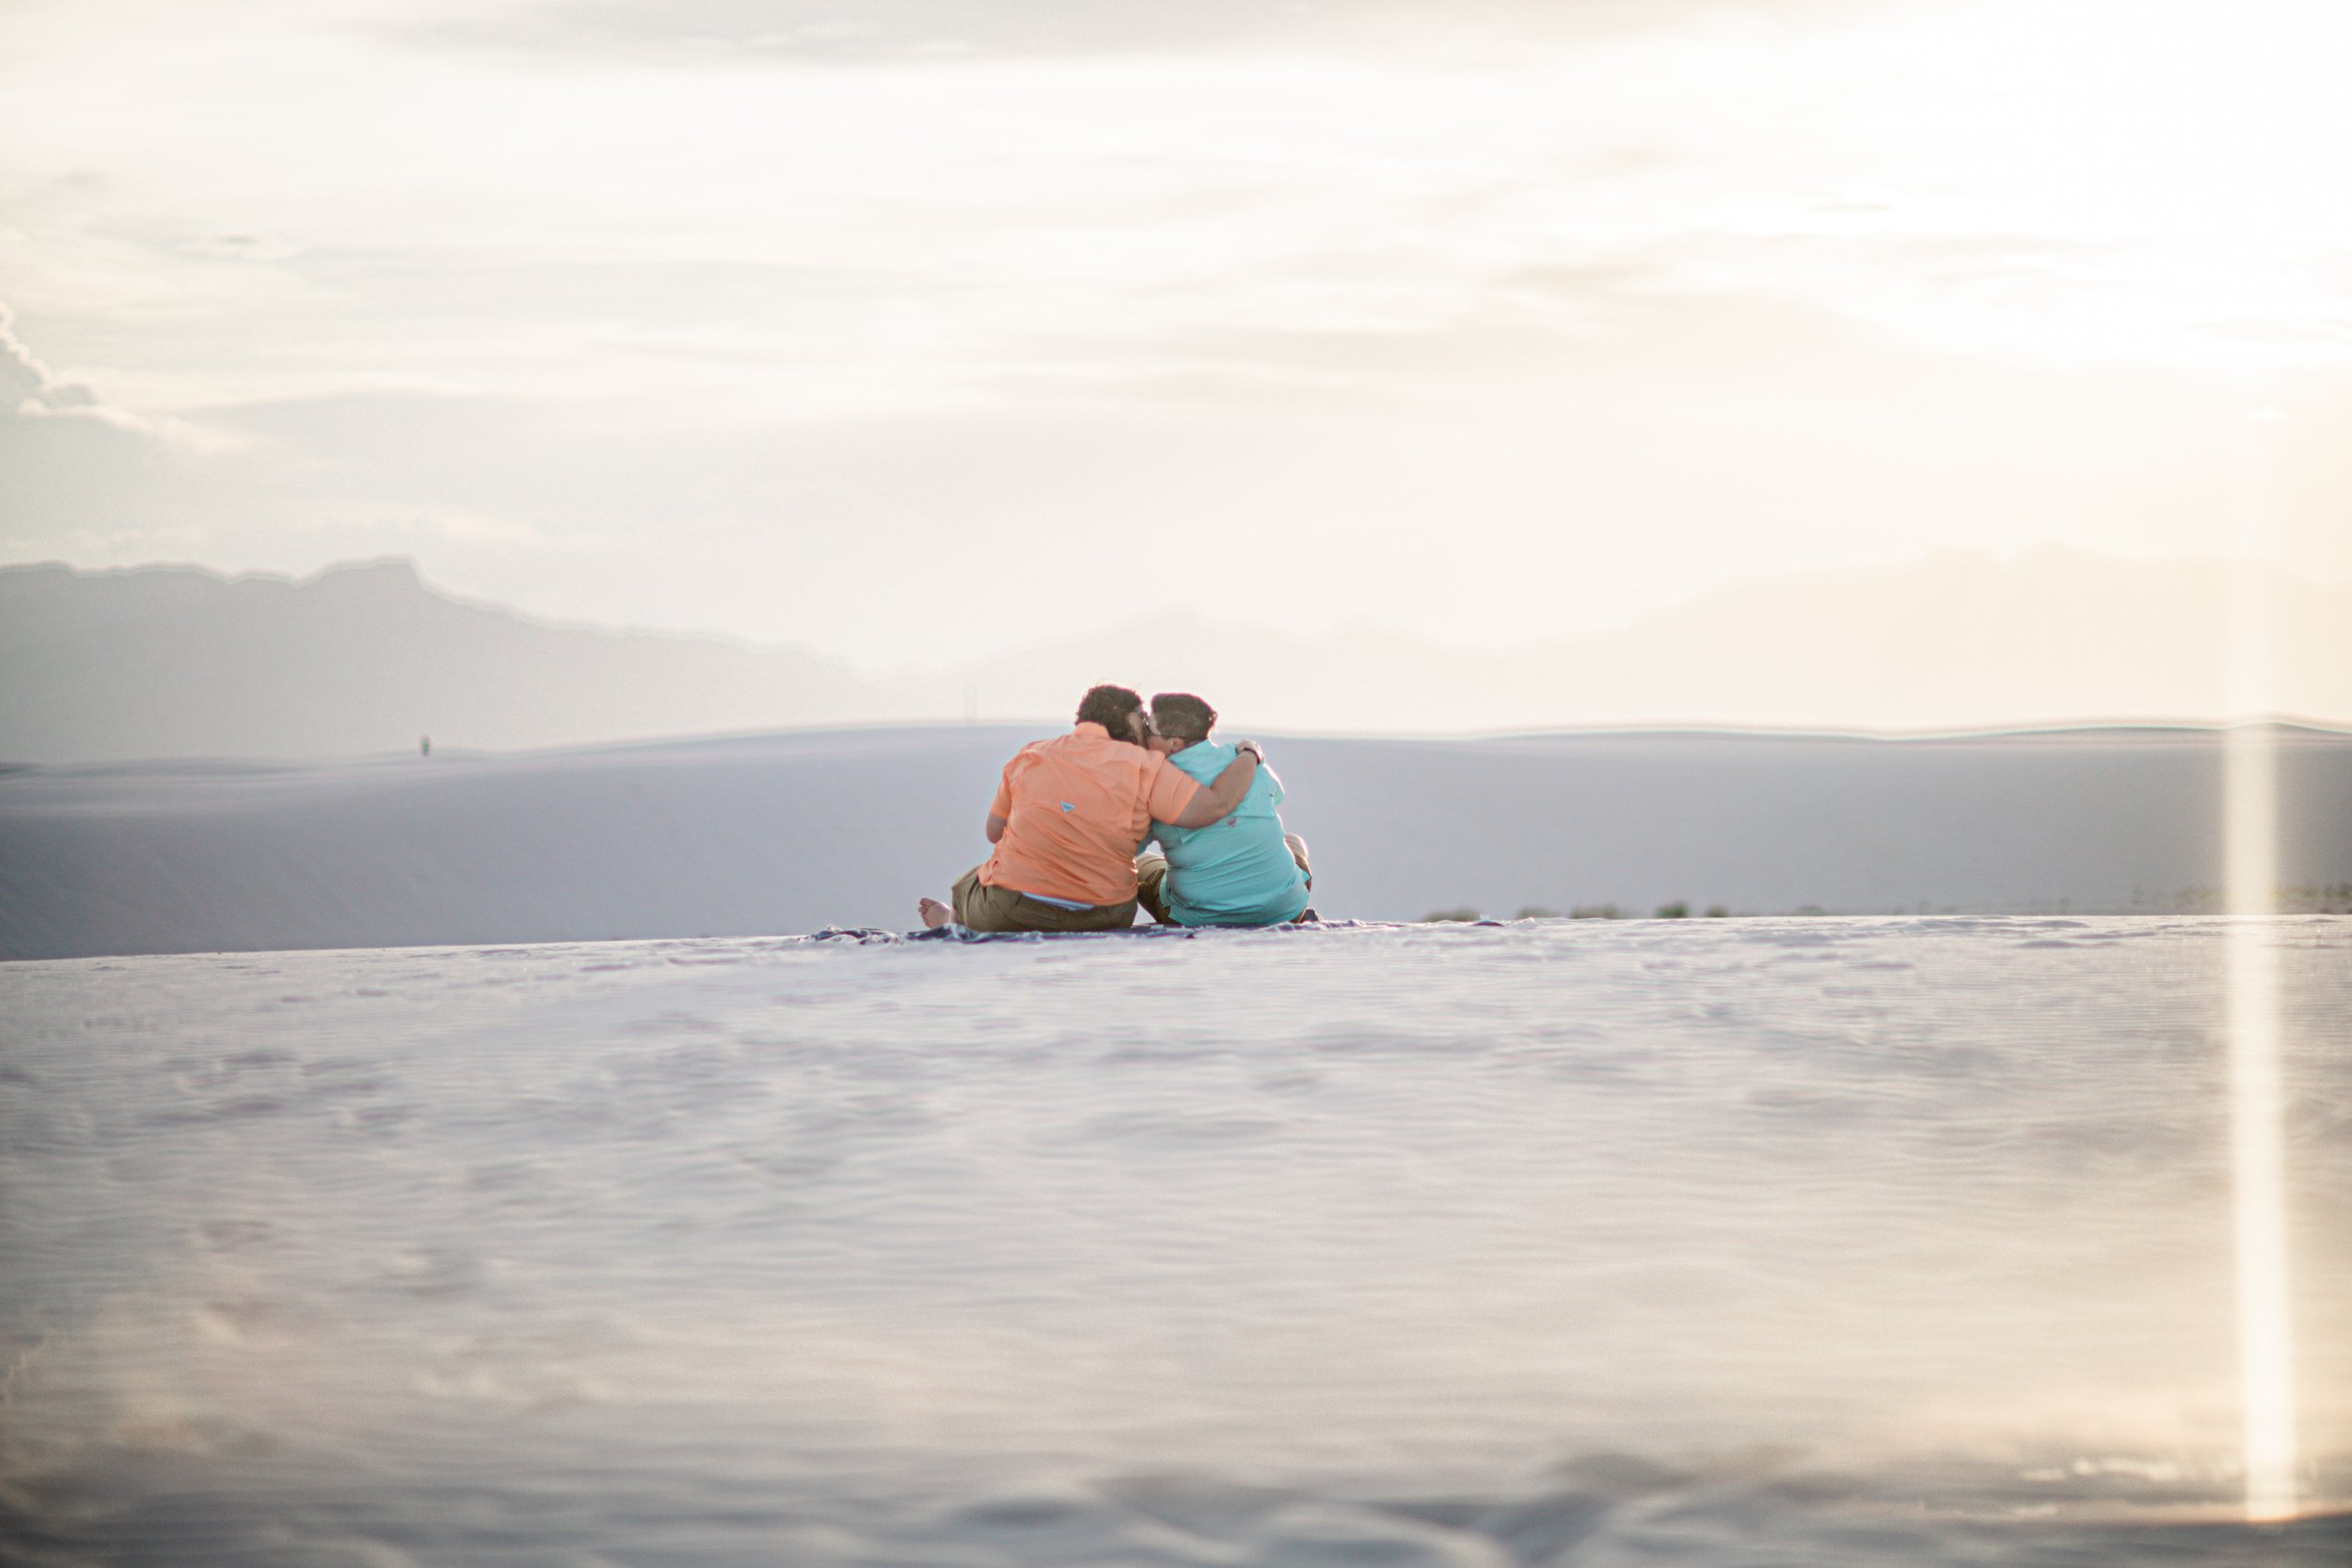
(1243, 870)
(1069, 816)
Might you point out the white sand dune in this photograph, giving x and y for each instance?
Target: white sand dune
(798, 831)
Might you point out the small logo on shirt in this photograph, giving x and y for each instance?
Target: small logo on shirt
(1067, 806)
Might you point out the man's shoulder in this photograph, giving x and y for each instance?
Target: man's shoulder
(1090, 753)
(1050, 746)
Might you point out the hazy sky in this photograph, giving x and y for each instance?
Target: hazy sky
(921, 327)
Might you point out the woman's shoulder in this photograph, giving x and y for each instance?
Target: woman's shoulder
(1204, 760)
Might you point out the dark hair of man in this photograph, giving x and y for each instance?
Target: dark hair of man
(1108, 705)
(1183, 716)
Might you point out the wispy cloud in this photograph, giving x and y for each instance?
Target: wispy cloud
(1064, 30)
(29, 388)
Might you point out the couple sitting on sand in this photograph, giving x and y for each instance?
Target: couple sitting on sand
(1072, 812)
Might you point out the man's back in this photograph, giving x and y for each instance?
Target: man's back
(1237, 871)
(1076, 807)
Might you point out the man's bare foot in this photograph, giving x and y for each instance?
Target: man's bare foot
(935, 913)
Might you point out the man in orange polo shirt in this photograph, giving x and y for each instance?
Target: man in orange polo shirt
(1069, 816)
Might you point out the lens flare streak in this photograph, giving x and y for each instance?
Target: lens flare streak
(2258, 1154)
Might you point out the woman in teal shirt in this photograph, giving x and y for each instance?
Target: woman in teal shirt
(1243, 870)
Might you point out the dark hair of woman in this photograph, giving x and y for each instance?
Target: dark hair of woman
(1183, 715)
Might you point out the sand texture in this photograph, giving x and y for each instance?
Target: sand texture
(1889, 1242)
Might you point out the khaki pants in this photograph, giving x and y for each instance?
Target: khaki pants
(1000, 909)
(1151, 879)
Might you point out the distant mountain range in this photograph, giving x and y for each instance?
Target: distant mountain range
(178, 662)
(174, 661)
(1956, 643)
